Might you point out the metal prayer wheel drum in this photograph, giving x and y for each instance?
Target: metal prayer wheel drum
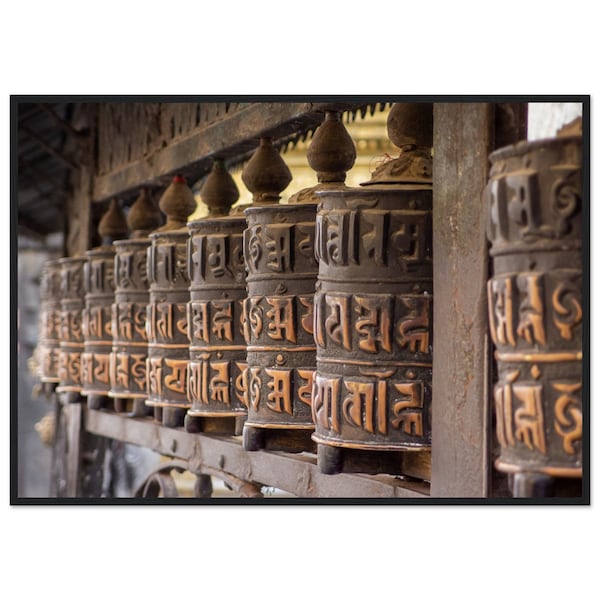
(71, 333)
(50, 313)
(130, 343)
(166, 326)
(98, 275)
(535, 305)
(373, 320)
(278, 320)
(217, 372)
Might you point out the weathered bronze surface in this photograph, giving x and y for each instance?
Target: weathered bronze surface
(49, 344)
(217, 369)
(96, 324)
(373, 307)
(71, 334)
(130, 342)
(373, 311)
(278, 315)
(166, 319)
(99, 288)
(534, 203)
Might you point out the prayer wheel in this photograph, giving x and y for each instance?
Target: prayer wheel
(130, 343)
(217, 367)
(282, 271)
(534, 208)
(373, 310)
(166, 319)
(49, 331)
(280, 278)
(72, 294)
(99, 288)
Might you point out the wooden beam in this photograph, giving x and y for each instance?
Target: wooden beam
(47, 147)
(294, 473)
(462, 140)
(233, 136)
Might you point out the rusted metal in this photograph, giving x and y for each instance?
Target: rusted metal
(217, 371)
(71, 333)
(166, 321)
(534, 212)
(49, 344)
(373, 309)
(129, 339)
(99, 288)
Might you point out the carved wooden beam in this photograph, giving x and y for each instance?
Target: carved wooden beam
(232, 138)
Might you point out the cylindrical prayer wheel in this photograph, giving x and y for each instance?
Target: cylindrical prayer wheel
(373, 311)
(373, 318)
(278, 318)
(217, 368)
(71, 333)
(166, 316)
(99, 288)
(49, 344)
(98, 274)
(534, 203)
(166, 324)
(130, 343)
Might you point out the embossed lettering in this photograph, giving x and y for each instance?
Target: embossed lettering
(374, 323)
(219, 384)
(568, 421)
(529, 418)
(500, 305)
(222, 318)
(176, 379)
(409, 412)
(280, 325)
(326, 409)
(531, 309)
(280, 398)
(278, 245)
(305, 390)
(414, 328)
(337, 323)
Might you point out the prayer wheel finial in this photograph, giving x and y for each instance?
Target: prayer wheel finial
(332, 151)
(143, 216)
(113, 225)
(266, 175)
(219, 192)
(177, 203)
(410, 127)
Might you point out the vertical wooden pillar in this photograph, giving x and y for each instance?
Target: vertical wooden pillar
(462, 140)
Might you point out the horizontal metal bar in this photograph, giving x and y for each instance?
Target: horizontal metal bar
(297, 474)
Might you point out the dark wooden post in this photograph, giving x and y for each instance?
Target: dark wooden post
(462, 140)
